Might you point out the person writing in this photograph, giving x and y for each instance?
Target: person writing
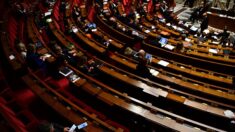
(142, 69)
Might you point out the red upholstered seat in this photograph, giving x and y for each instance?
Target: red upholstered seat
(62, 83)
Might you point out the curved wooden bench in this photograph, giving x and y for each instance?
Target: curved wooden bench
(133, 105)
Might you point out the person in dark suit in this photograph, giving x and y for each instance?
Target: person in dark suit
(232, 40)
(195, 14)
(142, 69)
(224, 36)
(204, 24)
(33, 59)
(45, 126)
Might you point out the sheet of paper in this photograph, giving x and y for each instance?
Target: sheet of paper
(146, 31)
(193, 28)
(163, 63)
(229, 113)
(170, 47)
(11, 57)
(215, 51)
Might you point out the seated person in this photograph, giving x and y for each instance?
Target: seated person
(20, 47)
(45, 126)
(112, 22)
(33, 59)
(90, 67)
(195, 15)
(86, 27)
(78, 56)
(89, 26)
(70, 55)
(179, 47)
(76, 12)
(72, 51)
(142, 69)
(20, 9)
(232, 40)
(224, 36)
(129, 52)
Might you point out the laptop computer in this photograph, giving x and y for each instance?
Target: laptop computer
(148, 56)
(65, 71)
(163, 41)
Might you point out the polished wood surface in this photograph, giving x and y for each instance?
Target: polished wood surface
(130, 104)
(218, 21)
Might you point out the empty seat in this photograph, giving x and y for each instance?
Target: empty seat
(62, 83)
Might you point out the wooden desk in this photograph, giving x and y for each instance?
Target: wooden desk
(106, 38)
(217, 21)
(108, 29)
(90, 43)
(210, 65)
(136, 106)
(168, 30)
(211, 56)
(81, 35)
(151, 90)
(123, 61)
(179, 81)
(194, 71)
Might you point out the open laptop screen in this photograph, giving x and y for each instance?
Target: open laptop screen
(65, 71)
(148, 56)
(163, 41)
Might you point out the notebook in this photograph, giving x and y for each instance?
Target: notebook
(170, 47)
(163, 63)
(215, 51)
